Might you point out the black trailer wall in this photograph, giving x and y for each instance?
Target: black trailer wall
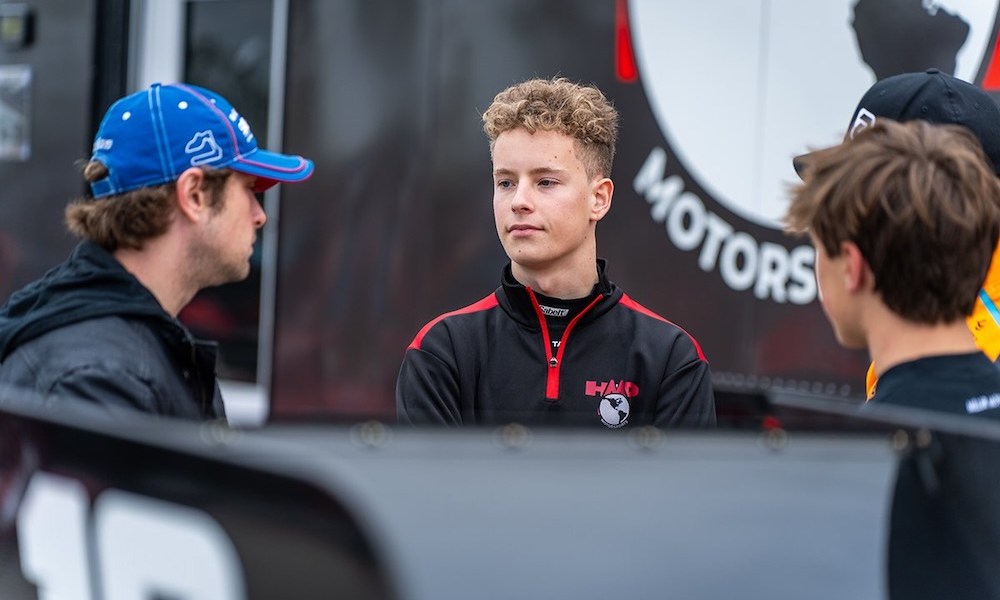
(58, 64)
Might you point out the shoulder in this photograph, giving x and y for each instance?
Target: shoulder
(109, 342)
(105, 332)
(455, 318)
(110, 361)
(648, 320)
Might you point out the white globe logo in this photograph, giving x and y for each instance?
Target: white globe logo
(614, 410)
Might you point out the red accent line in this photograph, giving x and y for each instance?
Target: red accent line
(630, 303)
(485, 304)
(991, 81)
(552, 379)
(565, 336)
(625, 67)
(552, 373)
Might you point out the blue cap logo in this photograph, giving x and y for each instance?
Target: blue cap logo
(203, 149)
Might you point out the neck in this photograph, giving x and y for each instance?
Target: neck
(562, 284)
(159, 266)
(893, 343)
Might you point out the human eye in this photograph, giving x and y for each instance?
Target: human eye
(547, 182)
(504, 184)
(248, 181)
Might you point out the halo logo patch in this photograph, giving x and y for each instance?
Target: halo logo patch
(615, 405)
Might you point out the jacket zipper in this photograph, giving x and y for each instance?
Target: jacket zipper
(555, 360)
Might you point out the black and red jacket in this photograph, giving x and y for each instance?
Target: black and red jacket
(617, 364)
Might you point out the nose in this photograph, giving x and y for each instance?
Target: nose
(522, 202)
(259, 216)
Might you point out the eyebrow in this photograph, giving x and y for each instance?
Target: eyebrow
(535, 171)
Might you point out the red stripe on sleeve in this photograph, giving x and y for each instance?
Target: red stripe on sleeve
(485, 304)
(630, 303)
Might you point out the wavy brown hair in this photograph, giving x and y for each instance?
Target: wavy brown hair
(579, 111)
(128, 220)
(921, 202)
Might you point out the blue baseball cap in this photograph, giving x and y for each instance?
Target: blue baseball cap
(150, 137)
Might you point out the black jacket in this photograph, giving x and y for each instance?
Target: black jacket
(88, 329)
(617, 364)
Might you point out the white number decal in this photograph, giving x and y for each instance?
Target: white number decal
(52, 537)
(143, 547)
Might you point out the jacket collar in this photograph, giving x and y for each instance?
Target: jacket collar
(514, 298)
(90, 284)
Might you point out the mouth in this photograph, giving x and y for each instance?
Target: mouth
(522, 228)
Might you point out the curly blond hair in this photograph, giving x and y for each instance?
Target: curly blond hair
(580, 111)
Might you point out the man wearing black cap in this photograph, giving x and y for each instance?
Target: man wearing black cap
(943, 531)
(173, 210)
(904, 219)
(936, 97)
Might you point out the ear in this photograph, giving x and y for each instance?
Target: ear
(192, 199)
(857, 273)
(604, 189)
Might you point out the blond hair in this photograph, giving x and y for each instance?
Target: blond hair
(579, 111)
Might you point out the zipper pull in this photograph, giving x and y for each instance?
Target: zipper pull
(553, 362)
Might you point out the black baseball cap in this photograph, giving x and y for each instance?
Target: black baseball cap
(931, 96)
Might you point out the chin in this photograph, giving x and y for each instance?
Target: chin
(528, 257)
(244, 272)
(234, 273)
(528, 264)
(851, 342)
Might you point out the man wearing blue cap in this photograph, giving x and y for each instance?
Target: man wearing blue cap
(173, 177)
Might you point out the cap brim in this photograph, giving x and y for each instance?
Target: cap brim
(271, 168)
(801, 163)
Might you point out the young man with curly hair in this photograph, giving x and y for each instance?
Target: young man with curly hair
(172, 210)
(905, 218)
(557, 342)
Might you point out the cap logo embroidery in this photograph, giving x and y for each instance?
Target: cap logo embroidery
(208, 150)
(242, 125)
(864, 120)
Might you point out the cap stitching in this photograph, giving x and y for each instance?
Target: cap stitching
(159, 130)
(952, 104)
